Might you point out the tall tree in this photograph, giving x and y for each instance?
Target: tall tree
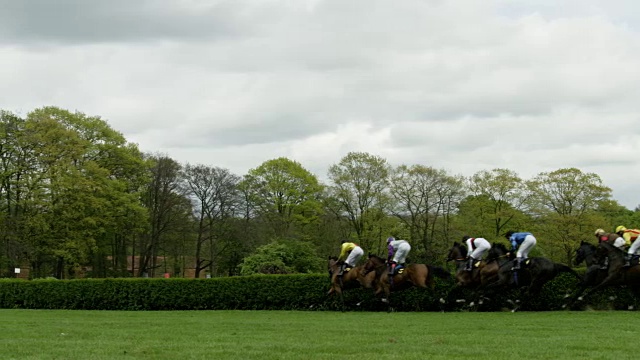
(565, 201)
(359, 182)
(216, 197)
(285, 195)
(506, 194)
(168, 208)
(424, 200)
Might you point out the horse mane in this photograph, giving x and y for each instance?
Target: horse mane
(461, 247)
(376, 257)
(501, 247)
(609, 247)
(587, 244)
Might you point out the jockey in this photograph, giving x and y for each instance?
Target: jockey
(477, 248)
(397, 253)
(630, 236)
(350, 253)
(614, 239)
(523, 242)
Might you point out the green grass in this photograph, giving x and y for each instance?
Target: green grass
(59, 334)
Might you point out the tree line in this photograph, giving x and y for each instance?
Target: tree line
(77, 197)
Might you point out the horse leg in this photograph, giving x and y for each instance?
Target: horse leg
(609, 280)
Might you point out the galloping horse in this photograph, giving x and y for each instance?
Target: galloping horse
(481, 275)
(351, 279)
(536, 271)
(593, 275)
(420, 275)
(616, 274)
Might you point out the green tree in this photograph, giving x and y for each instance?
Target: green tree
(565, 203)
(283, 257)
(424, 200)
(285, 195)
(499, 196)
(359, 182)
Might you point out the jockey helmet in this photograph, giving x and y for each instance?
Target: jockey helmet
(600, 232)
(390, 239)
(620, 228)
(466, 237)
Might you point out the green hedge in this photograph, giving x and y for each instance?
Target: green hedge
(267, 292)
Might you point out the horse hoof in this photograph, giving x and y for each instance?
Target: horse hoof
(442, 301)
(358, 304)
(630, 307)
(480, 302)
(471, 303)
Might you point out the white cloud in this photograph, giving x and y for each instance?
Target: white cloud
(530, 85)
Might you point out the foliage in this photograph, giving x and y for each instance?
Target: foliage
(282, 257)
(261, 292)
(359, 182)
(285, 194)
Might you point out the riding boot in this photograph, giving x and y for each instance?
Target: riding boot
(627, 260)
(469, 266)
(517, 262)
(342, 268)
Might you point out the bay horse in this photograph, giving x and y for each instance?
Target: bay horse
(419, 275)
(351, 279)
(616, 273)
(481, 274)
(535, 272)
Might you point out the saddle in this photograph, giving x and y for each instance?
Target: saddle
(399, 269)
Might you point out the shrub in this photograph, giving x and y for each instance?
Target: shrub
(264, 292)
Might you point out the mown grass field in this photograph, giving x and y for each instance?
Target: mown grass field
(59, 334)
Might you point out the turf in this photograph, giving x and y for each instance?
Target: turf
(59, 334)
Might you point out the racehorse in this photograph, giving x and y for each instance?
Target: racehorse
(535, 272)
(593, 275)
(616, 274)
(481, 274)
(420, 275)
(351, 279)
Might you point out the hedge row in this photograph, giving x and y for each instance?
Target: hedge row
(268, 292)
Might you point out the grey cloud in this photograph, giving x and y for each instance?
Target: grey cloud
(79, 21)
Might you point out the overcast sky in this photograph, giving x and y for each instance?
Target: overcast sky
(527, 85)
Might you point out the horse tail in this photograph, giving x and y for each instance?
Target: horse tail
(439, 272)
(564, 268)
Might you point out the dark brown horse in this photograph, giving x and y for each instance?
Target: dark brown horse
(536, 272)
(482, 274)
(593, 275)
(616, 274)
(351, 279)
(420, 275)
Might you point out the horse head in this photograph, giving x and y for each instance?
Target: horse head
(457, 252)
(584, 251)
(497, 251)
(372, 263)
